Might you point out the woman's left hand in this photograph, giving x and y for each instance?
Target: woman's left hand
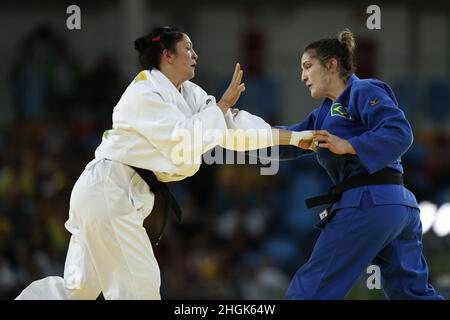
(332, 142)
(234, 90)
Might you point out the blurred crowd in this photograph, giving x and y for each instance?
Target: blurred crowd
(244, 234)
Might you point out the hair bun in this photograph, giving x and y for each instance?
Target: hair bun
(347, 38)
(151, 46)
(140, 44)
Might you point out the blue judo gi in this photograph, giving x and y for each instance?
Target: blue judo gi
(378, 224)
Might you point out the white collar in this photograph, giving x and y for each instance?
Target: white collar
(161, 80)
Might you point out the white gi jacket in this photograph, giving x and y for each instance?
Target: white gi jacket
(151, 112)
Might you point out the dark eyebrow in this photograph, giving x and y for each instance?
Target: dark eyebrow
(303, 64)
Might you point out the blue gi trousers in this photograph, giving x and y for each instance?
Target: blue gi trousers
(389, 236)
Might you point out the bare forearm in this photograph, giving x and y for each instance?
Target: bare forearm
(223, 106)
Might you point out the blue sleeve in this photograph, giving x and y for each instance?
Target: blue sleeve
(287, 152)
(306, 124)
(388, 134)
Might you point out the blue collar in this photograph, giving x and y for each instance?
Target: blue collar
(352, 79)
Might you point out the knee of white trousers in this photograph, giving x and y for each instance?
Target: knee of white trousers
(54, 288)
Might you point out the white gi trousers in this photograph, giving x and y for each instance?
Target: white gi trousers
(109, 249)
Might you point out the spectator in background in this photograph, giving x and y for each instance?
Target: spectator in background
(44, 77)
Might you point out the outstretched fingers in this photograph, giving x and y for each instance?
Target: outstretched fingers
(237, 69)
(239, 77)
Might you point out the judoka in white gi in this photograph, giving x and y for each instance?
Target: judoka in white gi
(109, 249)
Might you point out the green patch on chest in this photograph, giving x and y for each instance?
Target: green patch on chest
(338, 110)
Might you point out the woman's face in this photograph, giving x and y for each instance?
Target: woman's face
(185, 58)
(315, 76)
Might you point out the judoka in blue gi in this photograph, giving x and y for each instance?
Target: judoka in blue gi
(360, 131)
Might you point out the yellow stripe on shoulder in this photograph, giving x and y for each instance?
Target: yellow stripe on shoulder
(141, 76)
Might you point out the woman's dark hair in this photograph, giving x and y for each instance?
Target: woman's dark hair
(151, 46)
(341, 48)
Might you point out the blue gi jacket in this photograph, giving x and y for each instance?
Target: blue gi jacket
(366, 114)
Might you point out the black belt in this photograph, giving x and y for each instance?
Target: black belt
(161, 188)
(384, 176)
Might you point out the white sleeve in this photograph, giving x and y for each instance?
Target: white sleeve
(170, 131)
(246, 132)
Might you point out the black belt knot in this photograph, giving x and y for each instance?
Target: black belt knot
(161, 188)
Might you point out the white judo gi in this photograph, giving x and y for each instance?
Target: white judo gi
(109, 249)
